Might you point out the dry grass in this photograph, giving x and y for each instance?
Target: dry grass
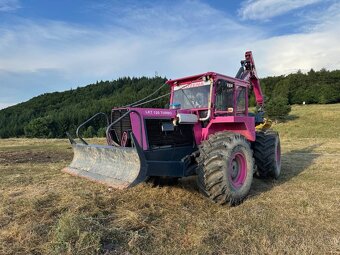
(44, 211)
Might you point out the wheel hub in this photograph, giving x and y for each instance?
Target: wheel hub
(235, 170)
(238, 170)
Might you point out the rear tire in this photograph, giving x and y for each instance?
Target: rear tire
(267, 154)
(225, 168)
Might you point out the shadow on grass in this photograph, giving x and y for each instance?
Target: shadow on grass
(287, 118)
(291, 117)
(293, 163)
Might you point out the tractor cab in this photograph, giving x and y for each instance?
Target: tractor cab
(210, 94)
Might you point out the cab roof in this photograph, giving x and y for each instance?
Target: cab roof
(199, 77)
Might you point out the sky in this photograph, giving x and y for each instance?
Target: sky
(48, 46)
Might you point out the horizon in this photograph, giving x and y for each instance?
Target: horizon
(56, 46)
(150, 77)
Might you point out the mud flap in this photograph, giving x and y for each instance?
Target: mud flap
(117, 167)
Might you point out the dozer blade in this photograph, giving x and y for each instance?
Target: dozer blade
(117, 167)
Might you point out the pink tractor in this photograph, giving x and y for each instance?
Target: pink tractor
(207, 131)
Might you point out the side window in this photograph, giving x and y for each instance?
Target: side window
(224, 96)
(241, 99)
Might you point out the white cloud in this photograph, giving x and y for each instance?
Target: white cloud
(287, 54)
(328, 19)
(137, 45)
(316, 47)
(37, 57)
(47, 55)
(9, 5)
(266, 9)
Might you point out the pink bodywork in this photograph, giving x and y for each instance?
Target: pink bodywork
(235, 122)
(140, 114)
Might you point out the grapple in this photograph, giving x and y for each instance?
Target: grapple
(116, 166)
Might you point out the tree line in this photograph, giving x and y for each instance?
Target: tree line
(53, 114)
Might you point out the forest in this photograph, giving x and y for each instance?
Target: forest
(51, 115)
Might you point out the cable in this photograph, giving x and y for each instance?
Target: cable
(141, 100)
(154, 99)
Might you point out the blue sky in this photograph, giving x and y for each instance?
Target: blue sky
(50, 46)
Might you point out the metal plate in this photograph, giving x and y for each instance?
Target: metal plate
(117, 167)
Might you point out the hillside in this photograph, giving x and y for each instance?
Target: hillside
(44, 211)
(51, 115)
(63, 111)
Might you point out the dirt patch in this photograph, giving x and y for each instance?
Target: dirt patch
(18, 157)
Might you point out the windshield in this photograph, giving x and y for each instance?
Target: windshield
(191, 97)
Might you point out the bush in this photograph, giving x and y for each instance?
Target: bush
(89, 132)
(42, 127)
(101, 132)
(278, 108)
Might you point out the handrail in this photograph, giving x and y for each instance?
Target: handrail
(88, 120)
(109, 127)
(119, 119)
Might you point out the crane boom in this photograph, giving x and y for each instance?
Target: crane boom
(248, 72)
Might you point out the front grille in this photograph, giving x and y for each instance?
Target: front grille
(181, 136)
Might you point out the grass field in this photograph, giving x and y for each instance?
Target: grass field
(44, 211)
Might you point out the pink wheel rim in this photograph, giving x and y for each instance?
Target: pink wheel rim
(238, 170)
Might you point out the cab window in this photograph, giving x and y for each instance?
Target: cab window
(241, 99)
(224, 96)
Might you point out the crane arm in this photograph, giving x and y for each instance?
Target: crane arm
(248, 72)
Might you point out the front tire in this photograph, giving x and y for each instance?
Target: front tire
(225, 168)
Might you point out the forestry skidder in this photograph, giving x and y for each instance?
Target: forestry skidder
(207, 131)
